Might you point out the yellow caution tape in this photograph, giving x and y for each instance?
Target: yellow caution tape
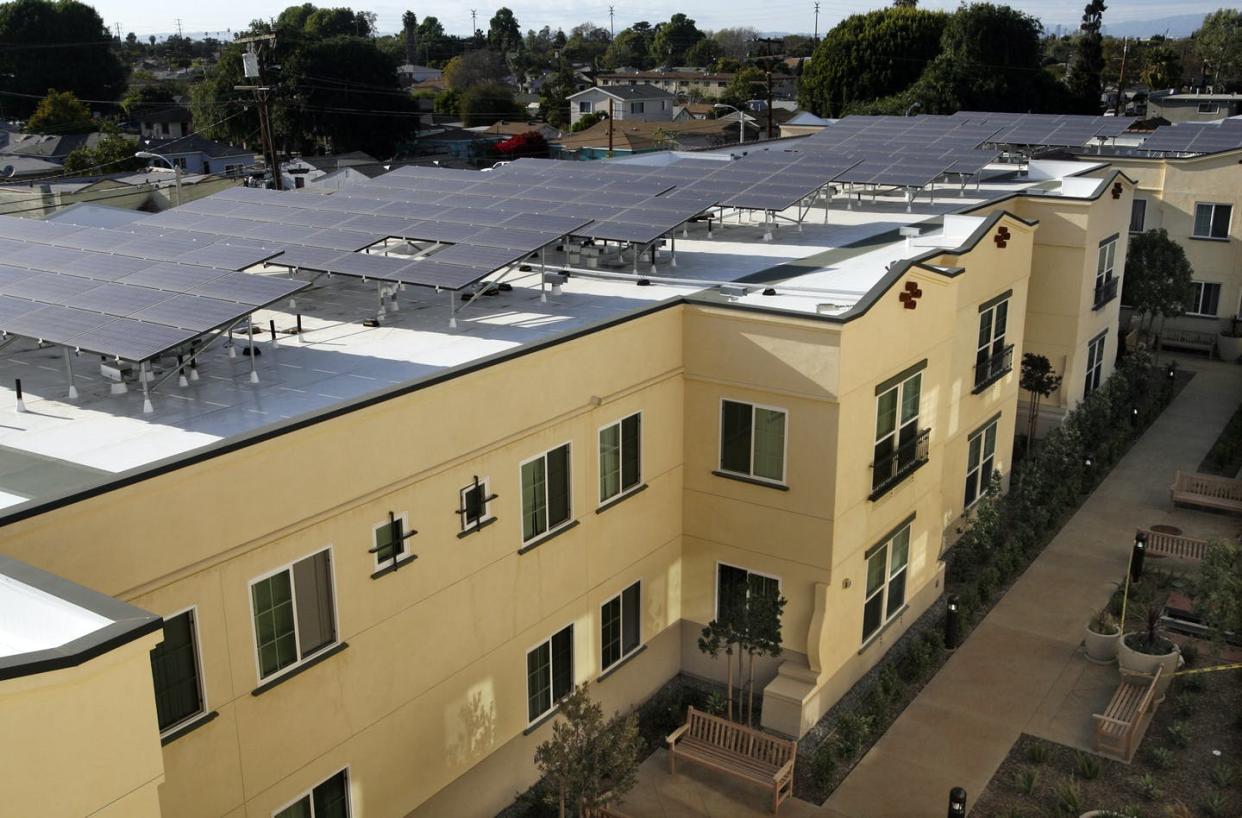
(1234, 666)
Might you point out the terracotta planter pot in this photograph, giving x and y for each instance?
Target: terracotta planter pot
(1146, 664)
(1101, 647)
(1230, 347)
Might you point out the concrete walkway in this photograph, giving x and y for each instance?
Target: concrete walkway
(1021, 668)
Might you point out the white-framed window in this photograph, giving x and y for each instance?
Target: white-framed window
(1095, 363)
(1138, 215)
(636, 107)
(1212, 220)
(584, 106)
(620, 457)
(886, 581)
(388, 537)
(735, 587)
(990, 361)
(1105, 265)
(752, 440)
(547, 503)
(329, 799)
(619, 626)
(549, 672)
(896, 430)
(475, 504)
(1209, 108)
(177, 672)
(1204, 298)
(294, 613)
(980, 462)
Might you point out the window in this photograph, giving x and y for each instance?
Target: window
(476, 501)
(293, 613)
(545, 493)
(899, 447)
(549, 673)
(1095, 364)
(389, 537)
(1105, 280)
(584, 106)
(636, 107)
(619, 626)
(1138, 216)
(329, 800)
(180, 162)
(620, 457)
(164, 128)
(735, 587)
(886, 581)
(1212, 221)
(1209, 108)
(752, 440)
(175, 671)
(980, 462)
(991, 360)
(1204, 298)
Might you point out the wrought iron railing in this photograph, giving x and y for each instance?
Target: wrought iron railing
(1105, 291)
(993, 369)
(888, 472)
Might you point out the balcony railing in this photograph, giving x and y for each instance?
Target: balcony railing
(1105, 291)
(993, 369)
(888, 472)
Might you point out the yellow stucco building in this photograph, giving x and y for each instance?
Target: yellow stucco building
(382, 559)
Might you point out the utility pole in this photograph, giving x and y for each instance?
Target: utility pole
(179, 27)
(474, 23)
(1121, 78)
(262, 95)
(612, 32)
(817, 22)
(611, 110)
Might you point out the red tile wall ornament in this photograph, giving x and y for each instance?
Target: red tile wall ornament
(1002, 236)
(910, 296)
(1116, 190)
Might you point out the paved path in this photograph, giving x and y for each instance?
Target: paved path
(1020, 665)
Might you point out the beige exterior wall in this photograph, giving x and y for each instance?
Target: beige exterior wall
(426, 705)
(83, 741)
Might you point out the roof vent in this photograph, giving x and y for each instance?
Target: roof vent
(826, 309)
(733, 290)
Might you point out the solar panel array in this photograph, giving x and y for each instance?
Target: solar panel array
(133, 300)
(1189, 137)
(1051, 130)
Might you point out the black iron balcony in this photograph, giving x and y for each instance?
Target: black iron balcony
(888, 471)
(991, 370)
(1105, 291)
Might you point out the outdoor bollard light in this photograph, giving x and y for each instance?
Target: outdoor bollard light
(957, 802)
(1136, 557)
(1134, 416)
(21, 405)
(952, 614)
(1172, 370)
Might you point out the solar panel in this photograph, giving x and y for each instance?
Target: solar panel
(193, 312)
(172, 277)
(131, 339)
(55, 324)
(428, 273)
(251, 289)
(105, 267)
(50, 288)
(489, 258)
(363, 264)
(116, 299)
(226, 256)
(12, 308)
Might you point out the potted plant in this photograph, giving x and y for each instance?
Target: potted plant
(1229, 343)
(1102, 637)
(1143, 652)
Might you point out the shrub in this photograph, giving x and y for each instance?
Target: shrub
(823, 765)
(1194, 683)
(1147, 787)
(890, 682)
(875, 702)
(1222, 775)
(1183, 706)
(1088, 765)
(1068, 797)
(715, 704)
(1190, 652)
(1179, 732)
(1160, 758)
(1037, 752)
(915, 661)
(1026, 780)
(1215, 805)
(852, 730)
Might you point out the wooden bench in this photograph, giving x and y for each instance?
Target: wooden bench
(1207, 491)
(737, 750)
(1188, 339)
(1160, 544)
(1117, 726)
(599, 812)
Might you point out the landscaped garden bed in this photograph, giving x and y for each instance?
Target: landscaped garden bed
(1225, 457)
(995, 545)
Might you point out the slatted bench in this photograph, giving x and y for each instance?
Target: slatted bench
(1188, 339)
(1117, 726)
(1177, 546)
(1207, 491)
(737, 750)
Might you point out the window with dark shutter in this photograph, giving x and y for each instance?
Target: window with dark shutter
(174, 670)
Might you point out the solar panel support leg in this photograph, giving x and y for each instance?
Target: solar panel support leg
(182, 380)
(73, 390)
(909, 198)
(672, 239)
(379, 292)
(21, 404)
(254, 374)
(452, 310)
(543, 275)
(228, 343)
(143, 376)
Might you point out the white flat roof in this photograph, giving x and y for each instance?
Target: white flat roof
(31, 619)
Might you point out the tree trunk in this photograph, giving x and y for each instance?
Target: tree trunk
(729, 699)
(739, 682)
(750, 701)
(562, 801)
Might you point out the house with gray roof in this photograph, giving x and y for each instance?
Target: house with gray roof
(640, 103)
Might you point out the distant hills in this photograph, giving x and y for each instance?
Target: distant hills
(1178, 25)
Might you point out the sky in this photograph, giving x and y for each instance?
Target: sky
(794, 16)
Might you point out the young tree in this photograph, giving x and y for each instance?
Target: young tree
(631, 48)
(589, 761)
(703, 53)
(760, 634)
(735, 43)
(474, 68)
(487, 103)
(112, 154)
(1085, 78)
(1041, 381)
(1219, 592)
(60, 112)
(503, 33)
(1157, 278)
(409, 36)
(673, 39)
(1219, 43)
(717, 637)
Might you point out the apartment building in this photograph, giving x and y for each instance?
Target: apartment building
(383, 553)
